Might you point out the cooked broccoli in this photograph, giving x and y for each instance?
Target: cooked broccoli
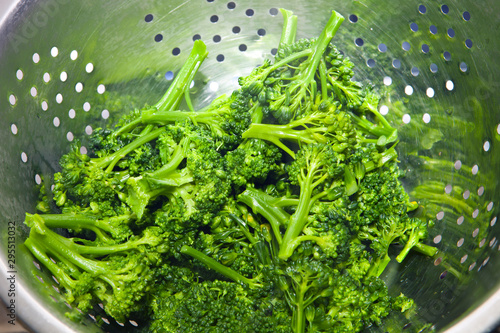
(325, 126)
(226, 117)
(116, 275)
(218, 306)
(193, 176)
(289, 91)
(275, 208)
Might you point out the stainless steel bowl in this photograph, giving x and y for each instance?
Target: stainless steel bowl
(436, 61)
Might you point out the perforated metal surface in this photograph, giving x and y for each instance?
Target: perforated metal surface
(63, 62)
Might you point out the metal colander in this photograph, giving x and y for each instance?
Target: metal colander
(64, 63)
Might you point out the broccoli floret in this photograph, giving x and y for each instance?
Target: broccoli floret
(119, 280)
(252, 162)
(325, 126)
(122, 153)
(312, 172)
(218, 306)
(291, 91)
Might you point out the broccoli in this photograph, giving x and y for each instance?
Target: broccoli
(253, 161)
(93, 182)
(312, 172)
(226, 117)
(317, 127)
(218, 306)
(116, 275)
(275, 208)
(292, 92)
(194, 175)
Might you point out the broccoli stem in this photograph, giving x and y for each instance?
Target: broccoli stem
(298, 219)
(414, 244)
(385, 156)
(386, 130)
(351, 185)
(289, 30)
(299, 319)
(323, 80)
(178, 89)
(167, 117)
(330, 29)
(127, 128)
(73, 222)
(303, 84)
(100, 250)
(312, 128)
(243, 228)
(218, 267)
(175, 160)
(38, 250)
(373, 109)
(378, 267)
(286, 202)
(263, 204)
(302, 238)
(183, 79)
(274, 134)
(53, 245)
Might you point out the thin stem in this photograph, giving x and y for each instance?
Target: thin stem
(262, 204)
(322, 42)
(298, 219)
(289, 31)
(111, 160)
(243, 228)
(218, 267)
(38, 251)
(322, 77)
(183, 79)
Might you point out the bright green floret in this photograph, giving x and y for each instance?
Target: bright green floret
(117, 275)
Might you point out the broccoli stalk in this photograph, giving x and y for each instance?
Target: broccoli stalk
(107, 230)
(381, 129)
(410, 231)
(289, 31)
(303, 283)
(219, 268)
(182, 81)
(176, 91)
(305, 78)
(381, 239)
(42, 224)
(269, 207)
(110, 161)
(82, 175)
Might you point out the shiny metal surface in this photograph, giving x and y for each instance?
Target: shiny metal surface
(50, 95)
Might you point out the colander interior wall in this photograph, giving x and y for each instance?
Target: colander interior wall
(435, 62)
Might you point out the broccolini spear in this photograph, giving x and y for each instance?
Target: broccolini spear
(292, 91)
(116, 275)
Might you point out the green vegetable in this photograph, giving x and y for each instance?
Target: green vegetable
(273, 209)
